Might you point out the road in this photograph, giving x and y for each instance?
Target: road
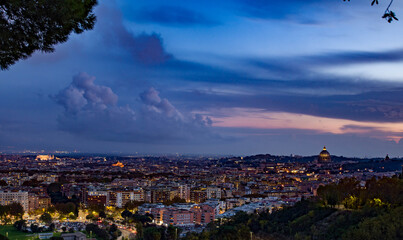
(125, 234)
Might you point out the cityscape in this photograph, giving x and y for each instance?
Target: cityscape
(68, 193)
(201, 120)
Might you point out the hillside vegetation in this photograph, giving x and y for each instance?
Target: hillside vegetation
(341, 211)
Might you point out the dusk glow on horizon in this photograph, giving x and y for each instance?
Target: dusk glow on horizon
(255, 118)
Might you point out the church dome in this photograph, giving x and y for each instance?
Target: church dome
(324, 156)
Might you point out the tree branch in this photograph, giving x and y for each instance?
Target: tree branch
(390, 4)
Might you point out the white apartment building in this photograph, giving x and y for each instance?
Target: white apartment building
(8, 197)
(213, 193)
(120, 198)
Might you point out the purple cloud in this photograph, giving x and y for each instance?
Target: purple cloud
(83, 93)
(92, 111)
(144, 48)
(154, 103)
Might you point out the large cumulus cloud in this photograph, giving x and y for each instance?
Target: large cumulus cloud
(145, 48)
(92, 111)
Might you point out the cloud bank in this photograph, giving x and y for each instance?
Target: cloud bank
(145, 48)
(92, 111)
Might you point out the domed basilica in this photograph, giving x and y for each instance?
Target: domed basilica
(324, 156)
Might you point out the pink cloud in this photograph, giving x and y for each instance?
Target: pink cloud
(261, 119)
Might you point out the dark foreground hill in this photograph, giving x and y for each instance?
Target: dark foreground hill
(345, 210)
(341, 211)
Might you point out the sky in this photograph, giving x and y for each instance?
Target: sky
(235, 77)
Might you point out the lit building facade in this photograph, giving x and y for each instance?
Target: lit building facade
(324, 156)
(8, 197)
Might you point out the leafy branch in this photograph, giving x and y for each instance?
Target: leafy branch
(389, 15)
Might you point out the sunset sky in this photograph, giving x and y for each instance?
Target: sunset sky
(215, 77)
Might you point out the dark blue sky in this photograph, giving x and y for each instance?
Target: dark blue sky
(221, 77)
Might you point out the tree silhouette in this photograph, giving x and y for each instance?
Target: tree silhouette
(16, 210)
(102, 214)
(28, 26)
(46, 218)
(389, 15)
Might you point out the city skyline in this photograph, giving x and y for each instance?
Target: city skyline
(229, 77)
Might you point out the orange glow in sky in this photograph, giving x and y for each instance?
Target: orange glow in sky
(258, 118)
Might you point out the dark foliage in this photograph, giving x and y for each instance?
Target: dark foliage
(14, 209)
(99, 232)
(126, 214)
(46, 218)
(28, 26)
(2, 237)
(176, 199)
(131, 205)
(31, 183)
(56, 238)
(157, 233)
(20, 225)
(344, 211)
(389, 15)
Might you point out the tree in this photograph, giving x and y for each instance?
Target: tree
(31, 183)
(28, 26)
(46, 218)
(51, 210)
(16, 210)
(52, 227)
(141, 218)
(386, 226)
(2, 237)
(151, 233)
(176, 199)
(66, 208)
(113, 228)
(56, 238)
(93, 228)
(131, 205)
(126, 214)
(348, 187)
(34, 228)
(72, 216)
(139, 228)
(173, 232)
(389, 15)
(329, 194)
(90, 217)
(96, 208)
(102, 214)
(20, 225)
(54, 188)
(6, 220)
(102, 234)
(3, 211)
